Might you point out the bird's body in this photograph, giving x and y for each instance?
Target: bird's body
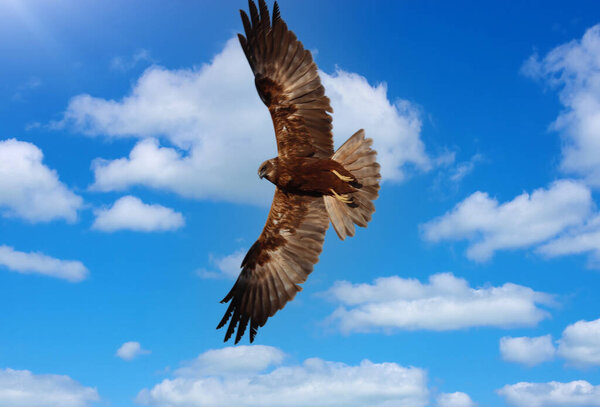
(314, 184)
(310, 176)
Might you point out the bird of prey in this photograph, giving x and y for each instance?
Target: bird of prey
(314, 184)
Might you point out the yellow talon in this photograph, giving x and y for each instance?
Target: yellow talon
(342, 177)
(342, 198)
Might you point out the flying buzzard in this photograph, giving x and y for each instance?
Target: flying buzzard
(314, 185)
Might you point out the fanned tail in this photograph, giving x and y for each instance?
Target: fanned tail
(357, 156)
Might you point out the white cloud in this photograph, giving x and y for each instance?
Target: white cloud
(229, 266)
(463, 169)
(394, 126)
(237, 376)
(130, 213)
(29, 189)
(444, 303)
(457, 399)
(232, 361)
(218, 131)
(21, 388)
(38, 263)
(131, 350)
(528, 351)
(583, 239)
(552, 394)
(574, 68)
(527, 220)
(580, 343)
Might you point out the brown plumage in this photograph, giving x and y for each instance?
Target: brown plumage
(314, 185)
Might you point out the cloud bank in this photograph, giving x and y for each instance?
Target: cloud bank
(239, 376)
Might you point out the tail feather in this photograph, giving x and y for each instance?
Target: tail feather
(357, 156)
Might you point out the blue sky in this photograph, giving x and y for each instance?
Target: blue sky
(129, 143)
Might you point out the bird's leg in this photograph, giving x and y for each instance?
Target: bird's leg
(342, 177)
(345, 198)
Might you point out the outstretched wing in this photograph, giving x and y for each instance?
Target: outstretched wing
(281, 258)
(287, 81)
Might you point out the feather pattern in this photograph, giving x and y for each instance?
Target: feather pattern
(281, 258)
(288, 83)
(357, 156)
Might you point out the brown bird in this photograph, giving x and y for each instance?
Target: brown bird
(314, 185)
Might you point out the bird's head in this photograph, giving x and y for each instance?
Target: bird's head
(268, 169)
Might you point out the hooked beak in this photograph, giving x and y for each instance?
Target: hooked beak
(261, 174)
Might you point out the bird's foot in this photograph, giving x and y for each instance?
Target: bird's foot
(345, 198)
(342, 177)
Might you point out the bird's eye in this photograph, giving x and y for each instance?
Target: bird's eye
(263, 169)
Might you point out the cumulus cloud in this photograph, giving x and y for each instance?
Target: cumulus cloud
(580, 343)
(239, 376)
(38, 263)
(579, 346)
(29, 189)
(529, 219)
(228, 266)
(528, 351)
(131, 350)
(457, 399)
(21, 388)
(552, 394)
(130, 213)
(394, 126)
(216, 131)
(444, 303)
(574, 69)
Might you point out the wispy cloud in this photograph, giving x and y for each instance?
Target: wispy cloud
(24, 88)
(125, 64)
(38, 263)
(574, 69)
(462, 169)
(228, 266)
